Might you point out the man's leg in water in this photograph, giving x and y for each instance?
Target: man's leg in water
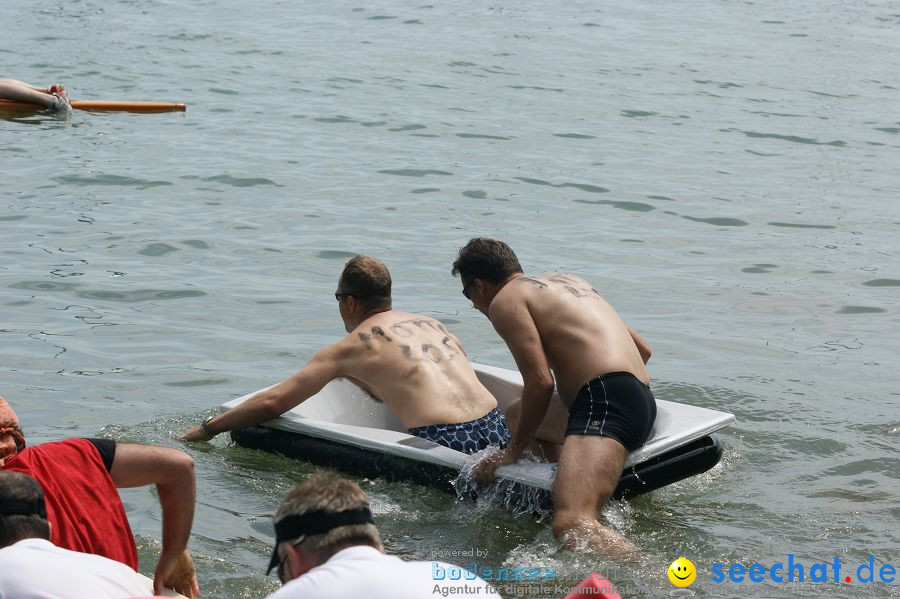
(588, 473)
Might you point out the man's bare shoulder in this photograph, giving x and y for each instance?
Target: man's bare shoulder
(409, 321)
(526, 283)
(573, 284)
(343, 349)
(395, 326)
(521, 290)
(562, 278)
(401, 316)
(507, 303)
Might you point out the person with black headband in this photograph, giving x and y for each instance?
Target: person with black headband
(31, 567)
(327, 546)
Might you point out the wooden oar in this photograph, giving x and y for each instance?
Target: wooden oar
(101, 106)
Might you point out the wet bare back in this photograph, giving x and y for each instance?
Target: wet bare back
(582, 335)
(417, 367)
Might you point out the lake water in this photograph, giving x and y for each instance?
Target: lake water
(724, 172)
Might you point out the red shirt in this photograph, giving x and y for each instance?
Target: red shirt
(83, 505)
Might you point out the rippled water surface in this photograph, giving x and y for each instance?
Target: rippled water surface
(724, 172)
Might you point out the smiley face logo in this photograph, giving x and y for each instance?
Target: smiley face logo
(682, 572)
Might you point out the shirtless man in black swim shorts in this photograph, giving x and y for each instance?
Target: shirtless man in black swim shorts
(557, 326)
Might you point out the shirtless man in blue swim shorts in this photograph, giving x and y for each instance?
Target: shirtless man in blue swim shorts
(409, 361)
(564, 335)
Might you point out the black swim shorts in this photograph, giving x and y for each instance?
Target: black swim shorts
(616, 405)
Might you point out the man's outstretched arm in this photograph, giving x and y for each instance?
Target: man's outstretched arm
(324, 366)
(172, 471)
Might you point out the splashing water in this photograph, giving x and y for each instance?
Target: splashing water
(518, 498)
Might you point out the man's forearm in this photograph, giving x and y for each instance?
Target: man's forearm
(256, 410)
(172, 471)
(263, 406)
(274, 401)
(177, 495)
(642, 346)
(535, 401)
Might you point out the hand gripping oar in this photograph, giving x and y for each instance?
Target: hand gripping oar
(102, 106)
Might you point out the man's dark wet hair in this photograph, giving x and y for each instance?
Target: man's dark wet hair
(486, 259)
(22, 511)
(367, 280)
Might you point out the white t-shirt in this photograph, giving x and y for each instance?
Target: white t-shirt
(364, 572)
(38, 569)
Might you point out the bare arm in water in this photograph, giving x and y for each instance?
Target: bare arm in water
(172, 471)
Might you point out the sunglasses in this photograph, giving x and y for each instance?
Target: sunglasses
(282, 575)
(466, 289)
(339, 295)
(16, 433)
(20, 439)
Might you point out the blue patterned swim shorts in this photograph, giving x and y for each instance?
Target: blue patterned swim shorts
(468, 437)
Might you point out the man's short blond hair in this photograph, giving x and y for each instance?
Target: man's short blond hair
(331, 493)
(367, 280)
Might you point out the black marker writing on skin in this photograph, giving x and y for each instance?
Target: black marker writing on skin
(407, 352)
(569, 283)
(575, 292)
(401, 330)
(431, 352)
(366, 339)
(379, 332)
(562, 278)
(446, 342)
(422, 323)
(540, 284)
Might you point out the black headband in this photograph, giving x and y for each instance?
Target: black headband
(314, 523)
(23, 508)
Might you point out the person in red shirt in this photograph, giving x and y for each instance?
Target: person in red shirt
(80, 478)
